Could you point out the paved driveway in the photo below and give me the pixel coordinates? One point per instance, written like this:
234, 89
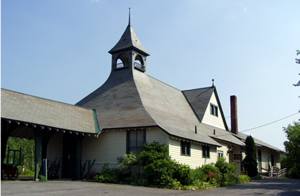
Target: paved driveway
76, 188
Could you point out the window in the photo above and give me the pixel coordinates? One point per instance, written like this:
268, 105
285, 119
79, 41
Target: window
119, 64
185, 148
205, 151
135, 140
213, 110
220, 153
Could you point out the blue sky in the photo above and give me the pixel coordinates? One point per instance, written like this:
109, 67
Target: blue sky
57, 49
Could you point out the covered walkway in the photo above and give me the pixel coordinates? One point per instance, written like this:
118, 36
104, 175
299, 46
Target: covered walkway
57, 129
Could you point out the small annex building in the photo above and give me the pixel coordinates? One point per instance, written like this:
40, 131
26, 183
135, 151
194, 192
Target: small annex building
130, 109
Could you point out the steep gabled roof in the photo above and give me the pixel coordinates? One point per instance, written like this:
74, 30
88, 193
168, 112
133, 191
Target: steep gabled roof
199, 99
168, 107
129, 40
32, 109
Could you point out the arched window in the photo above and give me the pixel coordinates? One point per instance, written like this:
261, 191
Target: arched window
139, 63
119, 64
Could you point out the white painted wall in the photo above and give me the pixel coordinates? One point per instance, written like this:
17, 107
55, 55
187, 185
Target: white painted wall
111, 145
209, 119
223, 148
196, 159
106, 149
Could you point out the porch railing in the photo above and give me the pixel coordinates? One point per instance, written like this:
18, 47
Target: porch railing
276, 172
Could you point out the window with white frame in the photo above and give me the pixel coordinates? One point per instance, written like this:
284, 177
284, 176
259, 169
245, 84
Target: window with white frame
220, 154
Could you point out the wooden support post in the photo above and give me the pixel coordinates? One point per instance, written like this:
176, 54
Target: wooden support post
4, 138
77, 157
44, 169
37, 155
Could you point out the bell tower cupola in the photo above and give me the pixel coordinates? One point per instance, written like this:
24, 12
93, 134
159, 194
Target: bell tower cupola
129, 53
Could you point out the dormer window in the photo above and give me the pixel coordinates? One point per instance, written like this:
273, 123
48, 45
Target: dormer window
139, 63
119, 64
214, 110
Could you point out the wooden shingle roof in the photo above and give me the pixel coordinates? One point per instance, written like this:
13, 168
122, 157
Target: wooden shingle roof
258, 142
26, 108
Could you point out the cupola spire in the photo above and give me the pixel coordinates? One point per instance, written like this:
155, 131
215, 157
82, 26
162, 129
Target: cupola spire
129, 40
128, 51
129, 17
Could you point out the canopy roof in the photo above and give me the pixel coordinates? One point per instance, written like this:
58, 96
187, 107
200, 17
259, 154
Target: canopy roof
26, 108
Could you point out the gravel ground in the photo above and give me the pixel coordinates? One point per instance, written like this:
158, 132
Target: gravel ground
78, 188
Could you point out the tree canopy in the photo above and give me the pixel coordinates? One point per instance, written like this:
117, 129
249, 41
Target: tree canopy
292, 147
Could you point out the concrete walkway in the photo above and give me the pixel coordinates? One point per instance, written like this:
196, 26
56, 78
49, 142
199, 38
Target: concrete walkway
76, 188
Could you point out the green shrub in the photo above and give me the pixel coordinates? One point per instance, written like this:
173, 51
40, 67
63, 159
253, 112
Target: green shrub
203, 185
228, 173
244, 179
108, 175
160, 172
128, 160
153, 166
198, 175
183, 174
211, 174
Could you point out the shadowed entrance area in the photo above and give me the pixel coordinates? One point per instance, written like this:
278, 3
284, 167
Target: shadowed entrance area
66, 188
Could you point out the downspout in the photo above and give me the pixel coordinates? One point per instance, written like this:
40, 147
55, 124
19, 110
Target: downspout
97, 124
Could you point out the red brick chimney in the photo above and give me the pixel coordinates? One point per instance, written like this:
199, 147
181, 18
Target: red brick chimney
233, 114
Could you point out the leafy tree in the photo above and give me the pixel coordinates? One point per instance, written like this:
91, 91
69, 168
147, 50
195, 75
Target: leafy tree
27, 147
292, 146
249, 162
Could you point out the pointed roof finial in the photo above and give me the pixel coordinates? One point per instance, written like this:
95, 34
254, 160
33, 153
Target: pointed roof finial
129, 16
213, 82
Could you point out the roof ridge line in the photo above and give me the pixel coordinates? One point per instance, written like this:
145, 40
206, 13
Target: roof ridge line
163, 82
199, 88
